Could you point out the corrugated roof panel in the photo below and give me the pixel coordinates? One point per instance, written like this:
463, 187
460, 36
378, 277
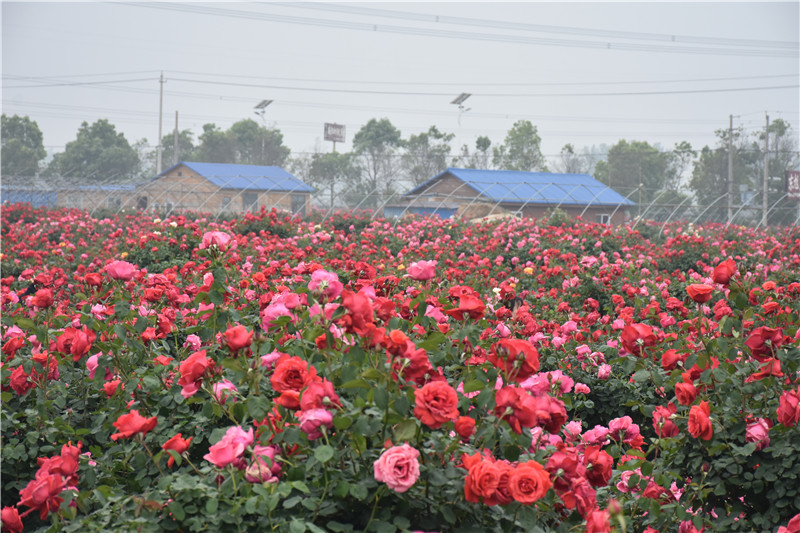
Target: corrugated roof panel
255, 177
535, 187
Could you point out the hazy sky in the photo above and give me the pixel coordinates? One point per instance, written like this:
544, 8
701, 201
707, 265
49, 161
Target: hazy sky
583, 73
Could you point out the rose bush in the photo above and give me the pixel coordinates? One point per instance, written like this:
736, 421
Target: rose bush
270, 373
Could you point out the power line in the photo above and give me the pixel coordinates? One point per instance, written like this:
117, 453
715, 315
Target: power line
538, 28
449, 34
503, 95
75, 83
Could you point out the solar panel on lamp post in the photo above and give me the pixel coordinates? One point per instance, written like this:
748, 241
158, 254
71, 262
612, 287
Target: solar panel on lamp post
459, 101
260, 110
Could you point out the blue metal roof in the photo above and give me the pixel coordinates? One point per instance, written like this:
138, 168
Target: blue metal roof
229, 176
514, 186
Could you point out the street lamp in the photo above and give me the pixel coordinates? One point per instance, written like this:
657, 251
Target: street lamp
459, 101
260, 110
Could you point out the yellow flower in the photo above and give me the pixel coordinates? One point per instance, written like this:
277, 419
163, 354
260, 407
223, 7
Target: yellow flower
124, 255
528, 270
401, 267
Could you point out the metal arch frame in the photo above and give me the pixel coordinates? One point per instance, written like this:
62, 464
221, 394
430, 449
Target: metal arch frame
771, 208
673, 212
591, 202
449, 195
518, 185
479, 195
568, 194
380, 207
528, 201
610, 218
641, 217
708, 207
740, 210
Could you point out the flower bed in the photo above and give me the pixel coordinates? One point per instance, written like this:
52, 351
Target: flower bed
267, 373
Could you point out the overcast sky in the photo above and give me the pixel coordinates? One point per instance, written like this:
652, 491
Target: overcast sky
583, 73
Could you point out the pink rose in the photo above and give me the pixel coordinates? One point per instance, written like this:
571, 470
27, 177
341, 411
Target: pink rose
422, 270
758, 432
121, 270
603, 372
326, 283
220, 239
230, 448
312, 419
398, 467
264, 468
221, 390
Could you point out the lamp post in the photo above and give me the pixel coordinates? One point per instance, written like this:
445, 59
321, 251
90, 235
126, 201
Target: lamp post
459, 101
260, 110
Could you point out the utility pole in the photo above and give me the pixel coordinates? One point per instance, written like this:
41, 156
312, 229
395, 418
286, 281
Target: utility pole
175, 142
730, 170
160, 115
764, 200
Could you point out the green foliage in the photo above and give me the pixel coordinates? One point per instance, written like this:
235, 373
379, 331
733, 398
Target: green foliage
98, 152
23, 146
521, 149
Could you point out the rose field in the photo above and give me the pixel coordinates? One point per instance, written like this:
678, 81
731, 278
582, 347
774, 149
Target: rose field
269, 373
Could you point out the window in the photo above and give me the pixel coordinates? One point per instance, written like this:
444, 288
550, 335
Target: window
249, 201
603, 218
298, 204
113, 202
169, 206
226, 203
141, 203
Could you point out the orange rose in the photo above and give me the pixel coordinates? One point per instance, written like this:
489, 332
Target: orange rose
436, 404
528, 482
699, 421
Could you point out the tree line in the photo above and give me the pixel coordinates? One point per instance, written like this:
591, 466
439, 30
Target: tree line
382, 162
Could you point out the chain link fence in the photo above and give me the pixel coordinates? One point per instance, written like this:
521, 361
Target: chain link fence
163, 198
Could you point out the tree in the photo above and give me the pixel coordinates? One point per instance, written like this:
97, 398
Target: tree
185, 148
521, 149
375, 146
710, 172
245, 142
332, 171
215, 146
98, 152
682, 157
22, 146
635, 167
257, 145
426, 155
478, 159
571, 162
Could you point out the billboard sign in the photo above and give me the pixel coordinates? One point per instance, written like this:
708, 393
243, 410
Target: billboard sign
334, 132
793, 184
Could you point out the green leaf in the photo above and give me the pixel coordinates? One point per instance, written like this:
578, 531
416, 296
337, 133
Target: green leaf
24, 323
177, 511
302, 487
291, 502
296, 526
323, 454
641, 376
405, 431
473, 385
448, 514
257, 406
212, 505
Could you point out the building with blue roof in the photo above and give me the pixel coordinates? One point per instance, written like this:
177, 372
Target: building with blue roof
221, 188
459, 191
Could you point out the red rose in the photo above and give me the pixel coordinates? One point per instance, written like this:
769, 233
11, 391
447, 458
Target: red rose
42, 494
724, 271
482, 481
292, 374
43, 298
468, 306
637, 336
516, 407
528, 482
670, 358
789, 408
177, 443
465, 427
436, 403
598, 466
192, 370
19, 381
662, 424
132, 423
598, 521
763, 341
238, 337
516, 357
319, 395
699, 292
699, 421
685, 393
11, 520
